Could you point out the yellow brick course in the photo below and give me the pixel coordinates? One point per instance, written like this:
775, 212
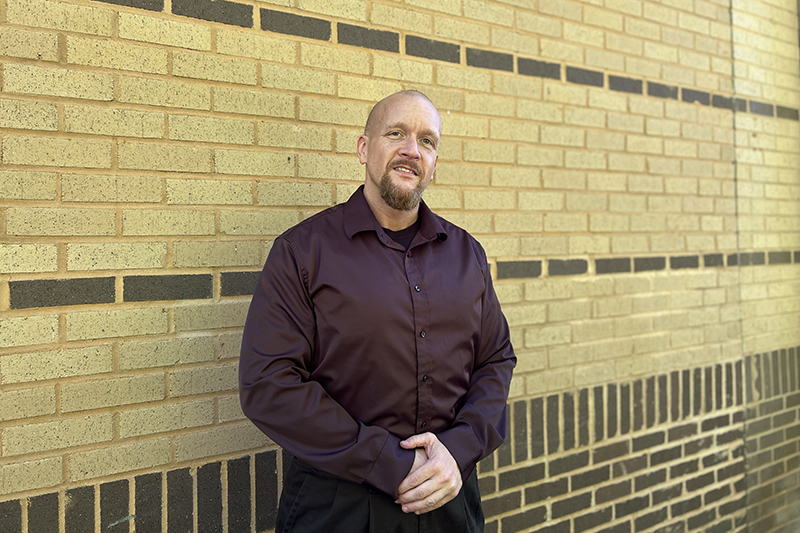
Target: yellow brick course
327, 57
114, 122
56, 152
209, 192
169, 417
112, 392
60, 16
28, 44
27, 403
297, 79
213, 68
65, 222
116, 323
230, 439
92, 188
253, 45
204, 380
297, 194
260, 163
167, 222
119, 459
164, 93
18, 258
68, 83
29, 475
22, 114
55, 364
115, 55
218, 254
24, 185
111, 256
168, 158
56, 435
229, 100
136, 27
257, 222
399, 18
348, 9
166, 352
211, 130
201, 317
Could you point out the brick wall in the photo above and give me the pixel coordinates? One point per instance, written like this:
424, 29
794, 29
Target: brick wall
630, 166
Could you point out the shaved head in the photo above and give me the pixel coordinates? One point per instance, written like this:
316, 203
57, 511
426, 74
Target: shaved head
378, 108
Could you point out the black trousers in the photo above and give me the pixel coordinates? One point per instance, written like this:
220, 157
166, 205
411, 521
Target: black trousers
315, 502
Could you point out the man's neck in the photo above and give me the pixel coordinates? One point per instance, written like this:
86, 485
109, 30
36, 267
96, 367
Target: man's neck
389, 218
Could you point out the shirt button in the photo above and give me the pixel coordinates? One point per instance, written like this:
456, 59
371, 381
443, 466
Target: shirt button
408, 254
424, 378
416, 288
422, 334
423, 425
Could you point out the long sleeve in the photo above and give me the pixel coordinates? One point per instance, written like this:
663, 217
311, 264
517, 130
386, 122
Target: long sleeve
480, 424
277, 359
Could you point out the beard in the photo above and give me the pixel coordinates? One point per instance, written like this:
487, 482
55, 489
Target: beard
399, 198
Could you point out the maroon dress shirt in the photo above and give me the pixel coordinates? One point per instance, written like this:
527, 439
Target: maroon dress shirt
353, 343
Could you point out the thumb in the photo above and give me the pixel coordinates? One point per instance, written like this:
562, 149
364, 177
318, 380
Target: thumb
416, 441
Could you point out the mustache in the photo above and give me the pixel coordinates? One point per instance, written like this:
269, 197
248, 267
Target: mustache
405, 163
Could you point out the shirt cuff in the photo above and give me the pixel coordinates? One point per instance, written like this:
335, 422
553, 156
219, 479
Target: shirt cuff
463, 445
391, 467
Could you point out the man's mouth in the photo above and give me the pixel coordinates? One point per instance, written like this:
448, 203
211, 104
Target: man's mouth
407, 168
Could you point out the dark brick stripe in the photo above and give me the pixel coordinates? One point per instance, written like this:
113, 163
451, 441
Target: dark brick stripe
387, 41
540, 69
646, 264
691, 96
239, 502
626, 85
290, 24
584, 77
178, 287
180, 512
787, 112
689, 261
266, 495
149, 502
79, 514
42, 514
11, 516
209, 497
568, 267
492, 60
238, 283
662, 91
518, 269
612, 265
215, 11
150, 5
430, 49
58, 292
114, 507
761, 108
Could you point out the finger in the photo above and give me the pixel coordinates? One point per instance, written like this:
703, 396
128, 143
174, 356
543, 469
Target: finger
417, 441
416, 478
429, 503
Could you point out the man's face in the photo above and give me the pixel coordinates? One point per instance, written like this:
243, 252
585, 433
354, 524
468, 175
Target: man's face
400, 150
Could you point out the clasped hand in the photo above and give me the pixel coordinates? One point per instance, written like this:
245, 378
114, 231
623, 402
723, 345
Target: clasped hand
434, 478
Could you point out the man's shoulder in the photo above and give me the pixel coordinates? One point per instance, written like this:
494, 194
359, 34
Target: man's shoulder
326, 221
460, 237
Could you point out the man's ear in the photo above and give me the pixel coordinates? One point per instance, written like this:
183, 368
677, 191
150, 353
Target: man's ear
361, 149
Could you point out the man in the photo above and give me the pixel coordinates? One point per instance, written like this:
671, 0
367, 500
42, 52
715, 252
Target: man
375, 351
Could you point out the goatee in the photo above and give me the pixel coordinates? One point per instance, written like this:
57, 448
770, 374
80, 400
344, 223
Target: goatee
400, 198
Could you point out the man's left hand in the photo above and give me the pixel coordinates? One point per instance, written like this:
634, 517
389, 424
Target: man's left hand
435, 482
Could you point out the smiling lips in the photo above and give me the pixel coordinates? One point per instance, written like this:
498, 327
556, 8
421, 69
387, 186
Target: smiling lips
406, 166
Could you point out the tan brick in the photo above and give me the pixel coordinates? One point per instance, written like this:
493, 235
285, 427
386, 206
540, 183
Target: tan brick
644, 144
161, 31
465, 126
547, 336
30, 475
166, 352
294, 194
25, 185
257, 222
28, 44
164, 93
19, 258
333, 111
489, 105
368, 89
113, 122
625, 244
117, 55
516, 177
514, 41
60, 16
215, 68
168, 417
562, 136
117, 323
439, 198
27, 403
488, 152
296, 79
401, 18
462, 78
168, 158
56, 152
112, 392
260, 163
538, 24
253, 45
642, 28
211, 316
119, 459
458, 30
204, 380
500, 246
230, 344
488, 199
230, 409
228, 439
518, 222
91, 188
214, 254
557, 49
630, 46
329, 58
401, 69
540, 157
167, 222
213, 130
327, 167
68, 222
348, 9
585, 117
208, 192
30, 79
454, 174
488, 12
40, 366
29, 330
25, 115
540, 111
57, 435
582, 34
116, 256
541, 201
243, 102
295, 136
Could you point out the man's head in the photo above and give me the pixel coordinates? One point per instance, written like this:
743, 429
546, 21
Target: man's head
400, 149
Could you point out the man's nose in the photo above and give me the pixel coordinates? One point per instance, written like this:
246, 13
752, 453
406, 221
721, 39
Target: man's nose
410, 148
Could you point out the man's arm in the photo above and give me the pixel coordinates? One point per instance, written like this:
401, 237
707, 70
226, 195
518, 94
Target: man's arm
297, 413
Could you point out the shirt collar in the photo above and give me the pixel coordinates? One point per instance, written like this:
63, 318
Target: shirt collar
358, 217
